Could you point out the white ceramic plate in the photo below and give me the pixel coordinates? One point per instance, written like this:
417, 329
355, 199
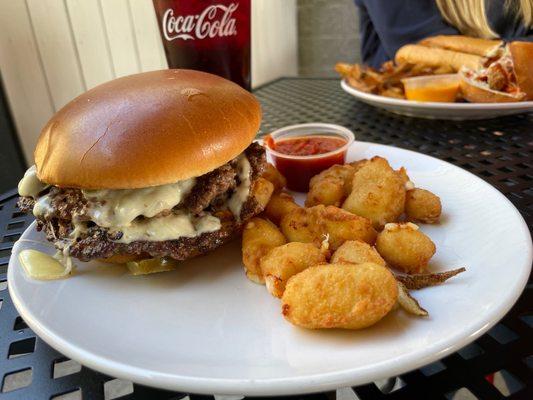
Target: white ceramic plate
206, 328
433, 110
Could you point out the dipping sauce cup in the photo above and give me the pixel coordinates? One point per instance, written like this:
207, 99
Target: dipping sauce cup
301, 151
439, 88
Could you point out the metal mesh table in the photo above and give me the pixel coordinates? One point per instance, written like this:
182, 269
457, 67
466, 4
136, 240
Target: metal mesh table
498, 365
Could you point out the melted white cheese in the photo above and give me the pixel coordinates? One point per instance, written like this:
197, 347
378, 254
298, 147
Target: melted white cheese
30, 185
169, 227
118, 208
80, 227
240, 194
39, 265
42, 207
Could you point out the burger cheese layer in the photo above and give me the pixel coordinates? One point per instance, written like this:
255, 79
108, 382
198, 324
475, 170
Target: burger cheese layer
101, 223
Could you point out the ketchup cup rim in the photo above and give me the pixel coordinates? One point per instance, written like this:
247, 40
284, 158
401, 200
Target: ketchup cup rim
332, 130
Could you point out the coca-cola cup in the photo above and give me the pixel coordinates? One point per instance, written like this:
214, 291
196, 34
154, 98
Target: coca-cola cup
207, 35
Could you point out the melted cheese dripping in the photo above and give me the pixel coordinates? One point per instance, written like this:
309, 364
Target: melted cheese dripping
117, 208
242, 191
42, 207
39, 265
170, 227
30, 185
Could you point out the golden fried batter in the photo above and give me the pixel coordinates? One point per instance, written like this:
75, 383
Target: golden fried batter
405, 247
311, 225
258, 238
272, 175
331, 186
262, 191
282, 262
279, 205
339, 296
356, 252
378, 193
422, 205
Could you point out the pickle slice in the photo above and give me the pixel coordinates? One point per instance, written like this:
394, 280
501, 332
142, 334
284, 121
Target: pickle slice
151, 266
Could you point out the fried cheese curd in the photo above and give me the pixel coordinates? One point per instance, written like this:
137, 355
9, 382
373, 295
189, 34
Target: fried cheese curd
258, 238
314, 224
405, 247
331, 186
378, 192
282, 262
422, 206
356, 252
344, 296
279, 205
272, 175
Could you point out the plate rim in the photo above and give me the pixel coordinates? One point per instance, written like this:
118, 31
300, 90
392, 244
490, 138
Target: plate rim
305, 384
390, 101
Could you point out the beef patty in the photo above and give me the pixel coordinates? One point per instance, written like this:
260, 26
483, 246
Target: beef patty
205, 196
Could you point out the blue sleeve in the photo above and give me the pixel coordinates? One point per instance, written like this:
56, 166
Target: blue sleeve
387, 25
523, 36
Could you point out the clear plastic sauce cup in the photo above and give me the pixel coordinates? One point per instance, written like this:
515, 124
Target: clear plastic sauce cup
439, 88
301, 151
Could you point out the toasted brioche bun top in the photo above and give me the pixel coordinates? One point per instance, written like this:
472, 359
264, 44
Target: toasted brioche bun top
522, 54
147, 129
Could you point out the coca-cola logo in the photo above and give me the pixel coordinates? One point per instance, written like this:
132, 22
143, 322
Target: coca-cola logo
215, 20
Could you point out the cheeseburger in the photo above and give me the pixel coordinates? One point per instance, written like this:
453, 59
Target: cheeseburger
158, 164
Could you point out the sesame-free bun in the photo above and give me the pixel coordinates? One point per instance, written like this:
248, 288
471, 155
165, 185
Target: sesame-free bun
522, 54
147, 129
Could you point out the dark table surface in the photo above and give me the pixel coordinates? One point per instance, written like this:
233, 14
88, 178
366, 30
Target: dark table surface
496, 366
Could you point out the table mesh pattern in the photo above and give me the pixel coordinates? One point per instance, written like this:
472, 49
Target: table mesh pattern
496, 366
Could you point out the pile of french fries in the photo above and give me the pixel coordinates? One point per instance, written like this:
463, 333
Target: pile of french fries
387, 81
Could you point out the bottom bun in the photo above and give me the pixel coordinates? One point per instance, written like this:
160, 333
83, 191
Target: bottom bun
477, 92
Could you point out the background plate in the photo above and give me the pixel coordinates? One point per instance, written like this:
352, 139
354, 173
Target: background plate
206, 328
432, 110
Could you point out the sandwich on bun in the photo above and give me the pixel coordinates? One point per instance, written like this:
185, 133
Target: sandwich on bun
451, 51
507, 79
157, 164
465, 44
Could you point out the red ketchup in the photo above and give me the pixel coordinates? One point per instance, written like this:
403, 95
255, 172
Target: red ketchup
306, 157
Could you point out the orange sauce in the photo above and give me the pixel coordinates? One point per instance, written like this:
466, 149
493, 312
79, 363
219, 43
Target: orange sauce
443, 94
439, 88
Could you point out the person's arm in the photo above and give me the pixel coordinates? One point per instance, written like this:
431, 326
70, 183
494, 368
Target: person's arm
388, 25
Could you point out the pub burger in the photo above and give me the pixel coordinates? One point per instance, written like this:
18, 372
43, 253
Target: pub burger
157, 164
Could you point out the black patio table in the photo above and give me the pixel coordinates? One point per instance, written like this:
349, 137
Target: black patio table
499, 151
